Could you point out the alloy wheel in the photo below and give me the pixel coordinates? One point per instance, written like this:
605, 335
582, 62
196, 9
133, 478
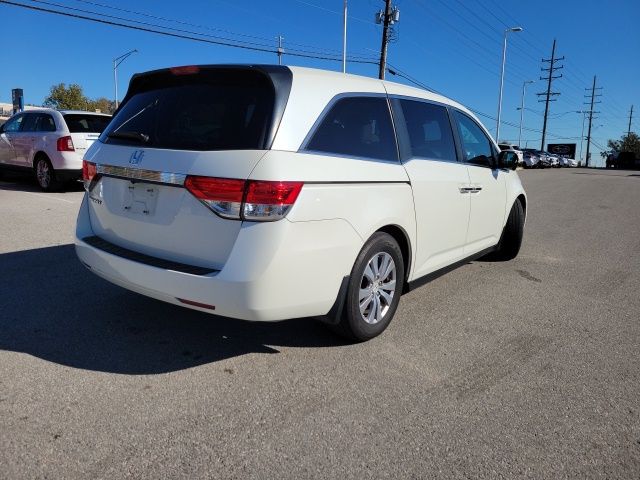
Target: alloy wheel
377, 287
43, 173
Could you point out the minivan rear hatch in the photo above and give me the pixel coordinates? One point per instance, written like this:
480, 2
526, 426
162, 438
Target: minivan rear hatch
210, 121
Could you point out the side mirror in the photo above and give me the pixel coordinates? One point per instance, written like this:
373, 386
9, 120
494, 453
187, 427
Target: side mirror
507, 159
1, 129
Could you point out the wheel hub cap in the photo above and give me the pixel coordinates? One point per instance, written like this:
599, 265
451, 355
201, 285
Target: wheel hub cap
377, 287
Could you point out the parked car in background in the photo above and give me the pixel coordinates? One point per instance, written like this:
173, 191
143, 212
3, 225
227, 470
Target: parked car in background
567, 162
530, 159
627, 160
270, 192
518, 152
545, 160
554, 160
49, 143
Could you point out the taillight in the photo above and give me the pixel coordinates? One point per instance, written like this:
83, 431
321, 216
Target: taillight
65, 144
88, 173
222, 195
250, 200
270, 200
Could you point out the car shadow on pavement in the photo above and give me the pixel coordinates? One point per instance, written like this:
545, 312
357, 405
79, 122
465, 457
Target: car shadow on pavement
55, 309
27, 183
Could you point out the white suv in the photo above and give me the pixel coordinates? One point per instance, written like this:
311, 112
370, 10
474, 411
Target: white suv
269, 192
49, 143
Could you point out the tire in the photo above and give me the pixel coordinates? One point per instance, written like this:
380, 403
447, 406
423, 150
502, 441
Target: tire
380, 250
45, 174
511, 238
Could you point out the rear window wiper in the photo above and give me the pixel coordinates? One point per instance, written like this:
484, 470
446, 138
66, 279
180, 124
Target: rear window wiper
138, 136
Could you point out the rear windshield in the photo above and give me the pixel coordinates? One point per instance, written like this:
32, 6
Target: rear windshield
223, 110
86, 123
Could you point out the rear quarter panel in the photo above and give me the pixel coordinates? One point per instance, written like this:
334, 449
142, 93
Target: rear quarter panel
367, 194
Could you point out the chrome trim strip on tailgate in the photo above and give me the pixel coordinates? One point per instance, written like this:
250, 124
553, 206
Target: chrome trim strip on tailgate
140, 174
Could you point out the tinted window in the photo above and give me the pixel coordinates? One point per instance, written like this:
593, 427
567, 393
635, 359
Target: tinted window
29, 122
14, 123
429, 130
476, 145
45, 123
358, 126
86, 123
220, 111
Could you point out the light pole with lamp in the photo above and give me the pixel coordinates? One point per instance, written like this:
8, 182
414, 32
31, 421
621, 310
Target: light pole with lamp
524, 84
504, 57
117, 61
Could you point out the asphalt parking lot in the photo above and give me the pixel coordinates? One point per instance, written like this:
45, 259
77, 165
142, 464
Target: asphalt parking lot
524, 369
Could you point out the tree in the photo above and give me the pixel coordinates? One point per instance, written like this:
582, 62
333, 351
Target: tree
627, 143
103, 104
72, 97
63, 98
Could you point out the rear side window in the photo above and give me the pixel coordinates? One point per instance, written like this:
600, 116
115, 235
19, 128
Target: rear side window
86, 123
429, 129
357, 126
202, 112
45, 123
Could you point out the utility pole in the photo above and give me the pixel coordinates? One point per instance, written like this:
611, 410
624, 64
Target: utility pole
630, 117
344, 38
280, 49
552, 68
387, 18
594, 95
584, 117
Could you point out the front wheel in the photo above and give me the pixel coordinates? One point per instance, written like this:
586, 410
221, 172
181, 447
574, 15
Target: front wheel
511, 238
374, 290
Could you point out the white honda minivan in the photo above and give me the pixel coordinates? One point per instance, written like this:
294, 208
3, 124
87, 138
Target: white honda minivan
272, 192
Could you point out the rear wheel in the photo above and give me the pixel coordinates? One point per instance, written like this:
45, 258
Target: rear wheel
374, 290
511, 238
45, 175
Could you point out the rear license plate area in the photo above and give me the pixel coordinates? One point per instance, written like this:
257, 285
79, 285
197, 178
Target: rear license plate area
140, 199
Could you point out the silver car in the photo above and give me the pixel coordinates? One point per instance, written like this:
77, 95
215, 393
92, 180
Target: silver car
49, 143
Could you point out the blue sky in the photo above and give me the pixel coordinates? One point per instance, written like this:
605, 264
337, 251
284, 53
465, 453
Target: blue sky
454, 46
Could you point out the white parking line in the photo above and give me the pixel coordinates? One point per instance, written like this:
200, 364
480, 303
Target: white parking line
47, 197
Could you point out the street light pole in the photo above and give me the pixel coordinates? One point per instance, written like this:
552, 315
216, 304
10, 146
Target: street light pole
344, 38
504, 57
116, 62
524, 84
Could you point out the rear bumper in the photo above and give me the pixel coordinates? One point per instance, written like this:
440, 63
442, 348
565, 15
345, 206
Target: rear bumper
276, 270
66, 161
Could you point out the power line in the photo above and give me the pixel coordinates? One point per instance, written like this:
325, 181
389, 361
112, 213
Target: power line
204, 27
317, 50
223, 42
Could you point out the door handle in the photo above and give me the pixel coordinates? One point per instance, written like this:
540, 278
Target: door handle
464, 190
476, 189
